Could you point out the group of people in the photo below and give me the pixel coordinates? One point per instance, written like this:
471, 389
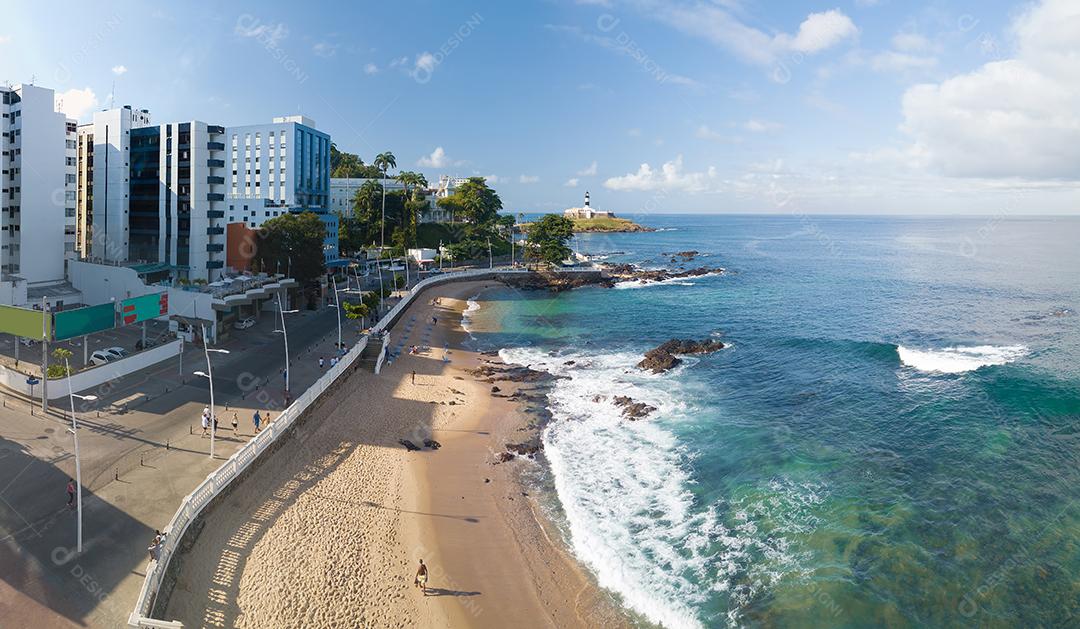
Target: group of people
256, 419
333, 361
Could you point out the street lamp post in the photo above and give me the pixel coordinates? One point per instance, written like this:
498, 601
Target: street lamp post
285, 333
209, 375
491, 263
78, 461
337, 305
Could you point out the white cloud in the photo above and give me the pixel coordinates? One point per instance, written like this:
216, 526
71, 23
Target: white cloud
424, 65
634, 133
400, 61
1017, 118
589, 171
492, 179
119, 70
892, 61
528, 179
909, 41
669, 177
269, 34
571, 183
371, 68
4, 39
705, 133
325, 49
437, 159
820, 31
76, 103
761, 126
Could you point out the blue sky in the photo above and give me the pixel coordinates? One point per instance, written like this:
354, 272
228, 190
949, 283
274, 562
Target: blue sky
843, 106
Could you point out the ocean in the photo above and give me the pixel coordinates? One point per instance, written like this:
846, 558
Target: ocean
889, 439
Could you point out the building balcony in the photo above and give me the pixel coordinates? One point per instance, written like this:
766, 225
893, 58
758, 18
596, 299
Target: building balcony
215, 163
215, 146
215, 231
215, 248
215, 129
215, 264
215, 214
215, 196
215, 180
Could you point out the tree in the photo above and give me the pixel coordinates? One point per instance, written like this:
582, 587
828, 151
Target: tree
59, 369
479, 203
292, 241
350, 236
384, 162
547, 238
349, 165
356, 311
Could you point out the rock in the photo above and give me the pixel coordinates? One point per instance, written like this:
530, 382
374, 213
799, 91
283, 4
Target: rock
665, 356
503, 457
570, 362
630, 272
495, 389
431, 443
599, 398
633, 410
528, 449
410, 446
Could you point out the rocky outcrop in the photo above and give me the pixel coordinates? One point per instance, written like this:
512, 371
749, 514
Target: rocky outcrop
495, 372
666, 355
630, 272
633, 410
555, 281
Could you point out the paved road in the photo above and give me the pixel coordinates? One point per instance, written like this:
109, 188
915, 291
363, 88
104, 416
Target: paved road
139, 458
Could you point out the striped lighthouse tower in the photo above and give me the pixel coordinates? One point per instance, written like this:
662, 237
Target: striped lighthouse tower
586, 199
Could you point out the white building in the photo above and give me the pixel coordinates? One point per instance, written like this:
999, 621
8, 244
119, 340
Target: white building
587, 211
280, 168
103, 164
343, 190
152, 194
33, 190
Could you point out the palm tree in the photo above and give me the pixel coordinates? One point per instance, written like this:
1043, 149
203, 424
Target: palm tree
384, 161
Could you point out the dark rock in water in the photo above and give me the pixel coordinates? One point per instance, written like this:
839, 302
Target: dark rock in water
529, 448
633, 410
555, 281
431, 443
570, 362
410, 446
599, 398
492, 372
495, 389
665, 356
503, 457
630, 272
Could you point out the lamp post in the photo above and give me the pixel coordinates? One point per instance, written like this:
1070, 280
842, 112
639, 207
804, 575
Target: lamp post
337, 305
78, 461
285, 333
491, 263
209, 375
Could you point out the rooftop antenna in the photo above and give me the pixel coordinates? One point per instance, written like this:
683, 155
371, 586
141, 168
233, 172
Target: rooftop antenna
112, 94
33, 77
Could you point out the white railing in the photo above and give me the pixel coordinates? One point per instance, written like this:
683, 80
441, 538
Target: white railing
219, 479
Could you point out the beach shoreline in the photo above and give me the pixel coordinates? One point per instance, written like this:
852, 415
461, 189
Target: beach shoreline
329, 530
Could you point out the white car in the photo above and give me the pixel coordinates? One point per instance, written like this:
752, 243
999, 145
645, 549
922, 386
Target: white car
116, 352
245, 323
101, 357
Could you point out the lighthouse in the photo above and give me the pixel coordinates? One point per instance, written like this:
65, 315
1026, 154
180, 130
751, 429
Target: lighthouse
586, 199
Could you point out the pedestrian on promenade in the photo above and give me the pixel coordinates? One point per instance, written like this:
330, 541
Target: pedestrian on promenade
333, 361
71, 493
320, 362
257, 419
421, 577
235, 422
205, 420
155, 545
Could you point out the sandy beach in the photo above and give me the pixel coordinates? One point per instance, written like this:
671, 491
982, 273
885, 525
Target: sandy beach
329, 530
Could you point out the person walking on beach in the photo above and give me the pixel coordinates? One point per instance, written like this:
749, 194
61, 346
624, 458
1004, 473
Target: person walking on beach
235, 422
71, 493
257, 419
421, 577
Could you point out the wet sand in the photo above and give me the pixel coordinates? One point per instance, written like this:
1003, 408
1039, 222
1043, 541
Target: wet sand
328, 531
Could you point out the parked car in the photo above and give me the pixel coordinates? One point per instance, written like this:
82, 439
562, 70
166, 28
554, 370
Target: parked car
245, 323
27, 342
116, 352
101, 357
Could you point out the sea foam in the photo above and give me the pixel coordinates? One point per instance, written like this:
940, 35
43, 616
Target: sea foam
959, 359
625, 489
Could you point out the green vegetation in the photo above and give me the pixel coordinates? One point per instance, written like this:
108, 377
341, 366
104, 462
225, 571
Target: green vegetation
606, 225
349, 165
546, 239
59, 369
292, 241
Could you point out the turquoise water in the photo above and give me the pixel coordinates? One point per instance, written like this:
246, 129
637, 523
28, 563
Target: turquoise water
891, 438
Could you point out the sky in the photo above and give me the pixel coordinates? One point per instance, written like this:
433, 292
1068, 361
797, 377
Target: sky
838, 106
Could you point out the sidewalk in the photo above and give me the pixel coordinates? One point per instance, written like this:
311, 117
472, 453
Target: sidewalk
141, 454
